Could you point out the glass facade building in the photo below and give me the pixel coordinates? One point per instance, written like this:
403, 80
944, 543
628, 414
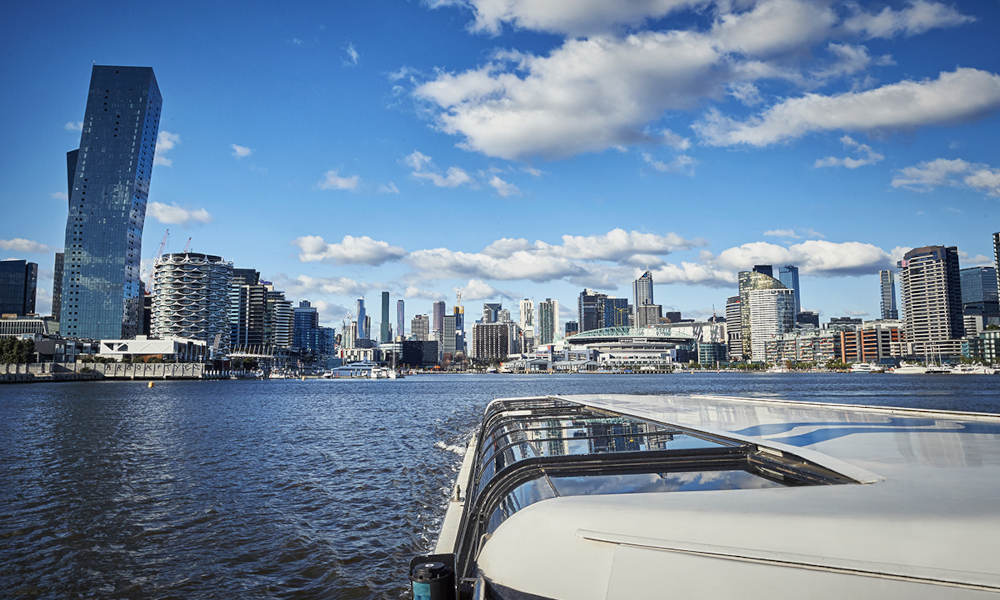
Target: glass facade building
110, 174
642, 289
385, 326
887, 288
750, 281
18, 286
788, 275
614, 312
979, 292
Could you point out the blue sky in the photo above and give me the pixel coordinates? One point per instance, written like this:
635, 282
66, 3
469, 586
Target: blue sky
516, 148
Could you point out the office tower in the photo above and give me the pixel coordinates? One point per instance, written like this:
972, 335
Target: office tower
437, 318
192, 298
491, 312
788, 275
448, 335
107, 204
642, 289
572, 327
18, 286
979, 293
306, 332
385, 327
362, 319
764, 270
887, 286
589, 310
459, 312
932, 301
734, 331
420, 328
749, 281
614, 312
647, 314
246, 319
548, 321
400, 319
57, 277
772, 313
526, 314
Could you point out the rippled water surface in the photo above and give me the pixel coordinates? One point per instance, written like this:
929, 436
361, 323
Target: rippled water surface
287, 489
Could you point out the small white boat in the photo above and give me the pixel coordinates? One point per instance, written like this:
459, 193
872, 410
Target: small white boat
907, 369
973, 370
867, 368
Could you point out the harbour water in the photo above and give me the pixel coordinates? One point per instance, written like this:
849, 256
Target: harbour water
289, 489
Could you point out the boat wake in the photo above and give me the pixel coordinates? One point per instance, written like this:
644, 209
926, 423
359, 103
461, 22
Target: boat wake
460, 450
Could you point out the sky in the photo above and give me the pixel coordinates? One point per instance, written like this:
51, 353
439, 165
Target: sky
528, 148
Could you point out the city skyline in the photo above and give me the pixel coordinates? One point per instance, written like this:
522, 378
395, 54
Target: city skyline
386, 134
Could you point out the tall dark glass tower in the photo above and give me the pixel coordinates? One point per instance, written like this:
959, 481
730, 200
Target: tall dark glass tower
110, 173
788, 275
386, 326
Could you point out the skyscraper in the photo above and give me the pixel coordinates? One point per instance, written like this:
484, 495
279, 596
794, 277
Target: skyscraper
614, 312
306, 333
526, 314
932, 301
734, 331
57, 276
996, 258
362, 320
420, 329
589, 310
648, 314
764, 270
979, 293
110, 172
448, 335
400, 319
385, 327
749, 281
279, 320
772, 312
491, 312
548, 321
887, 283
18, 286
247, 304
788, 275
191, 298
437, 318
642, 290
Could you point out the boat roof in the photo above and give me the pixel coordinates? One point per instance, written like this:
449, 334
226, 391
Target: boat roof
920, 517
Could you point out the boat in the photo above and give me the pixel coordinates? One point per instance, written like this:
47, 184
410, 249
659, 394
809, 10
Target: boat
909, 369
973, 370
613, 496
867, 368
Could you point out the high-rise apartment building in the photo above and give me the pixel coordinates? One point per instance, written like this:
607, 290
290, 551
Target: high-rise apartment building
996, 258
648, 314
526, 313
788, 275
247, 304
748, 282
385, 327
57, 277
491, 312
279, 319
589, 310
548, 321
734, 331
979, 293
932, 301
420, 328
492, 342
191, 298
110, 172
18, 287
305, 324
448, 336
887, 287
772, 313
400, 319
642, 289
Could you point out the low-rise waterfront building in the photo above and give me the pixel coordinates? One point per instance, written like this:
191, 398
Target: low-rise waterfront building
141, 348
983, 347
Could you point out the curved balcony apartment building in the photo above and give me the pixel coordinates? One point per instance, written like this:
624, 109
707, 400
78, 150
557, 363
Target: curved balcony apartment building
191, 298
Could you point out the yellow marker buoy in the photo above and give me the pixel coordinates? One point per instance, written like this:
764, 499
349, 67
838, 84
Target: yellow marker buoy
150, 384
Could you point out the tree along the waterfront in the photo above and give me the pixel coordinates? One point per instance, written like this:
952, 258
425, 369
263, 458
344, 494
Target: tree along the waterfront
13, 350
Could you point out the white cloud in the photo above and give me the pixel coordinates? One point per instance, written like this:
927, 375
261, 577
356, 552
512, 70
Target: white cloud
305, 285
954, 96
73, 126
682, 163
774, 26
848, 59
333, 181
920, 16
422, 168
165, 141
867, 156
675, 141
504, 188
416, 292
361, 250
296, 41
241, 151
442, 263
352, 55
388, 188
746, 92
956, 172
477, 289
558, 16
176, 215
816, 257
787, 233
23, 245
694, 273
59, 196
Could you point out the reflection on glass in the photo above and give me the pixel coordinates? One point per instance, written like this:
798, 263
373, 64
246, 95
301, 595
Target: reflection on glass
636, 483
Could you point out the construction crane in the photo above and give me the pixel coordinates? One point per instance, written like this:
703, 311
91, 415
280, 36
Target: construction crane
163, 242
458, 297
187, 246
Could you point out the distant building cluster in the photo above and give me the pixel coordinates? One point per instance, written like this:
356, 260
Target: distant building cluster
202, 307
